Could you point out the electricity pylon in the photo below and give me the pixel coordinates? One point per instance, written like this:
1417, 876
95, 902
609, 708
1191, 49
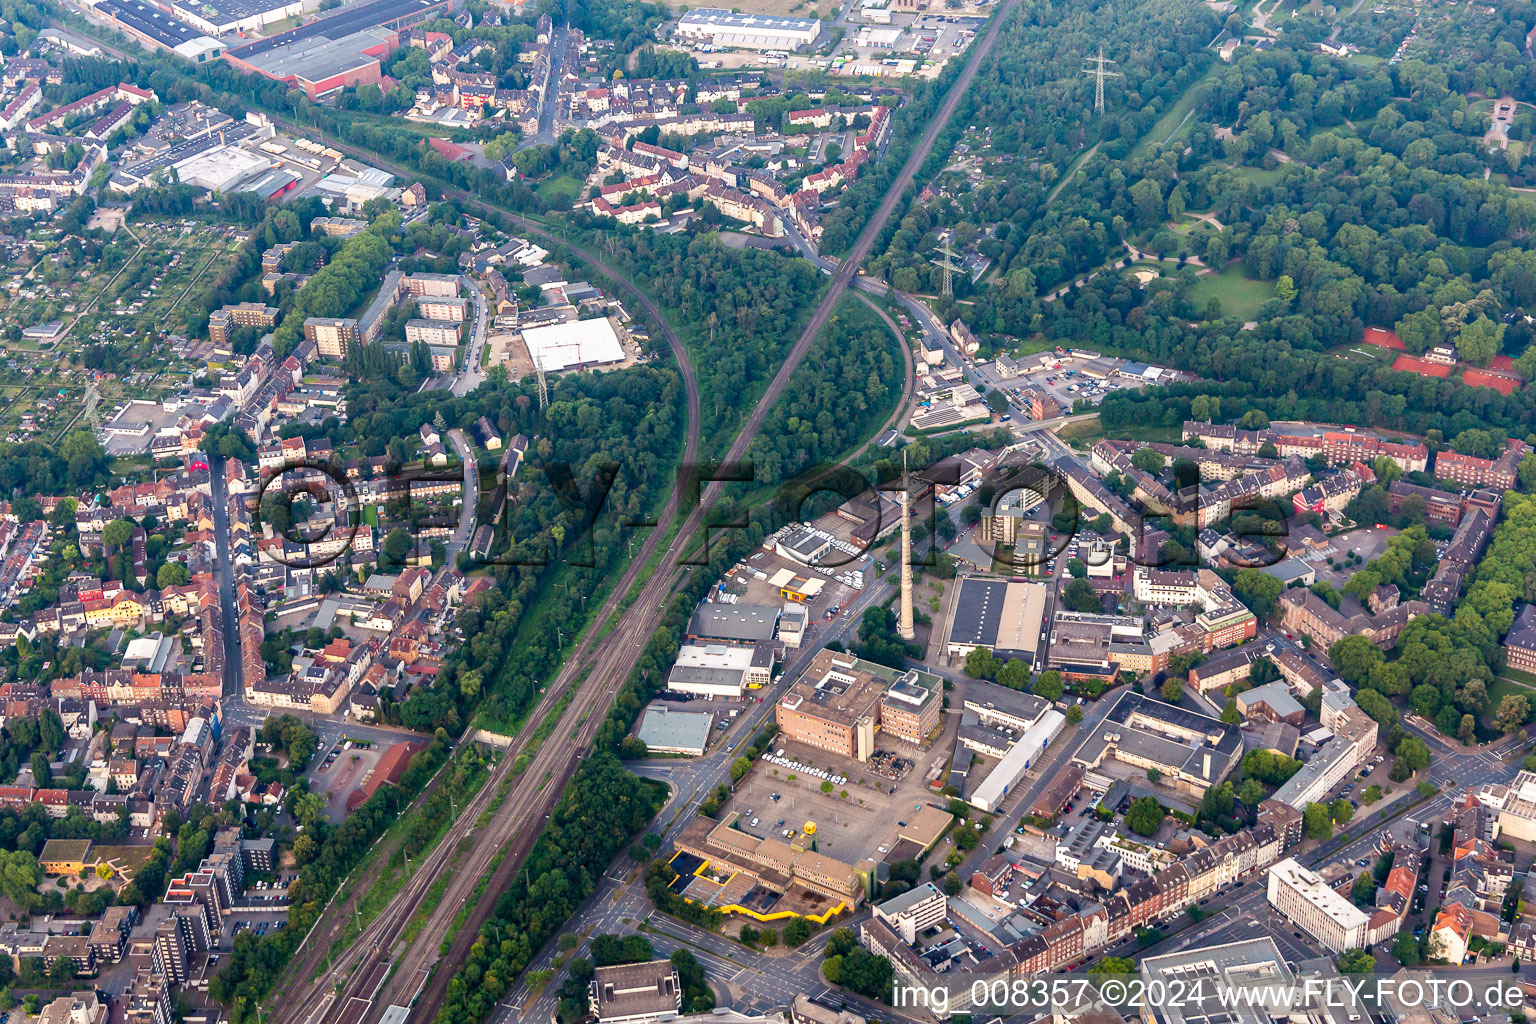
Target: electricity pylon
1098, 72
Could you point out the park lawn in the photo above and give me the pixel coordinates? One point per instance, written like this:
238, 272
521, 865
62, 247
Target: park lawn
560, 188
1240, 295
129, 858
1502, 688
1172, 120
1261, 176
1520, 677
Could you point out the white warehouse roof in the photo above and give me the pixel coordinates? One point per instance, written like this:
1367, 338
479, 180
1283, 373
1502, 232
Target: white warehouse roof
221, 168
577, 344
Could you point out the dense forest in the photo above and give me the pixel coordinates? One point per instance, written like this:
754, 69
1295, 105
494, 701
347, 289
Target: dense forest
737, 310
840, 395
1037, 110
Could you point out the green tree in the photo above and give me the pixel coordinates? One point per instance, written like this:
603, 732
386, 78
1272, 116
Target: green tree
19, 877
1406, 948
171, 574
1048, 685
117, 533
1014, 674
1173, 689
1356, 961
981, 663
1258, 590
1144, 816
1079, 596
1514, 710
1114, 965
1149, 460
1480, 341
397, 545
1317, 821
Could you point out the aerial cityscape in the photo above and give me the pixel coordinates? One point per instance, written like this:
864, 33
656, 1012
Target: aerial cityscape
810, 512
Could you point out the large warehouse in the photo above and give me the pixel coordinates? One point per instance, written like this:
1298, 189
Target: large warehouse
721, 670
342, 48
576, 345
1003, 615
154, 27
221, 17
221, 168
720, 27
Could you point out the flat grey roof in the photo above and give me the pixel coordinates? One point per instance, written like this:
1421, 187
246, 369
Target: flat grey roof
747, 623
685, 730
317, 59
978, 611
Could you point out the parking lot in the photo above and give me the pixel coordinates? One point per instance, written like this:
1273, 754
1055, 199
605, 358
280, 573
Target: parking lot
1367, 542
257, 924
862, 824
338, 773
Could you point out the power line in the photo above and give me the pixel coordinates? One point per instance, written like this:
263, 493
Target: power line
1098, 72
950, 267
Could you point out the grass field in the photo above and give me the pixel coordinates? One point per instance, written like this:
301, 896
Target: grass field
1502, 688
1090, 432
129, 858
1172, 119
1261, 176
1029, 346
1239, 295
1371, 355
562, 189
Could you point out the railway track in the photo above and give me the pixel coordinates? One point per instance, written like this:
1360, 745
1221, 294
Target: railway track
596, 668
314, 1001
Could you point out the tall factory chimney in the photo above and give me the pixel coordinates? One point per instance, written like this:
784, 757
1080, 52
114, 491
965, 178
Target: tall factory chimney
904, 628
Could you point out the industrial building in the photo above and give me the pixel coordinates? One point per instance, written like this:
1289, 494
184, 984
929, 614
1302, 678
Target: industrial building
720, 27
343, 48
636, 993
911, 707
155, 28
576, 345
1191, 751
221, 168
989, 795
1003, 615
721, 670
666, 731
834, 706
733, 623
222, 17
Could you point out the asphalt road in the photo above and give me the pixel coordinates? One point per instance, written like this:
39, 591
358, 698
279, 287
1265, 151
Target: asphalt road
472, 373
